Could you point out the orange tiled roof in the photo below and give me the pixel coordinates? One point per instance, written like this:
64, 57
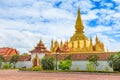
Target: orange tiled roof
21, 58
8, 51
102, 56
83, 56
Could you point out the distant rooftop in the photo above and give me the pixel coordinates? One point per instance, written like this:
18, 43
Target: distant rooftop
8, 51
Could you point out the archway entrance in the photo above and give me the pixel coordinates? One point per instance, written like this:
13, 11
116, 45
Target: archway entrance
36, 61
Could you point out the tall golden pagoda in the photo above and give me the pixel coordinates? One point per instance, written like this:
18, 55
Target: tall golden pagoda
79, 33
78, 42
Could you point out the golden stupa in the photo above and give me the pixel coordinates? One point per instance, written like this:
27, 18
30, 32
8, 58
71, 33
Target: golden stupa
78, 42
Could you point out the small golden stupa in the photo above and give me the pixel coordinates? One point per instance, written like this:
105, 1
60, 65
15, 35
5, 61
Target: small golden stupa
78, 42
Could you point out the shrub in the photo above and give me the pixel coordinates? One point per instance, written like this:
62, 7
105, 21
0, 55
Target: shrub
65, 64
48, 63
90, 66
106, 68
6, 66
77, 68
37, 68
25, 69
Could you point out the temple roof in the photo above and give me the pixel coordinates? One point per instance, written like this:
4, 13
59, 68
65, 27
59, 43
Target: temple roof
40, 48
75, 56
21, 58
8, 51
82, 56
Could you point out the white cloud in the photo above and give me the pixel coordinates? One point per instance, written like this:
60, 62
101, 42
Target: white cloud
117, 1
98, 29
90, 15
22, 23
96, 0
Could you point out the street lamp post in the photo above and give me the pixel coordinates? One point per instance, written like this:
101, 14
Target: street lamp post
56, 54
56, 60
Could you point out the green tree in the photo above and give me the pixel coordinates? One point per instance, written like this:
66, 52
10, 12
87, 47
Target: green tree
14, 60
69, 57
47, 63
66, 63
114, 61
1, 60
93, 59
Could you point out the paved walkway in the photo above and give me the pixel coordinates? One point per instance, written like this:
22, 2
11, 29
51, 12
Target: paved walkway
19, 75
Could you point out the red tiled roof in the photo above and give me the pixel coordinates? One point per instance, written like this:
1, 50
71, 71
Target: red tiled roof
83, 56
8, 51
77, 56
21, 58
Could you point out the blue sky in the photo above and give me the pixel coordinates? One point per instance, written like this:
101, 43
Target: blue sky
24, 22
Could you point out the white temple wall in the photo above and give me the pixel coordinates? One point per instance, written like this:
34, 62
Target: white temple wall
26, 64
81, 65
21, 64
76, 65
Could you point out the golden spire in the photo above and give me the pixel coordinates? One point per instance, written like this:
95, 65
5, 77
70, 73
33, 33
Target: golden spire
79, 25
91, 41
97, 39
61, 44
51, 48
56, 45
91, 45
79, 33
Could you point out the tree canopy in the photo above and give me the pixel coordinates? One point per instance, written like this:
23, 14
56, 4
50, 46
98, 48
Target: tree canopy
14, 60
114, 61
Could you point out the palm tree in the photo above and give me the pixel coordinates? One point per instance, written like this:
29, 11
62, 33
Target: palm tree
14, 60
114, 61
1, 60
93, 59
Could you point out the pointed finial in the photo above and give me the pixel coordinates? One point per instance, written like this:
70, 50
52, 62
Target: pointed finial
61, 44
96, 38
79, 25
51, 48
78, 10
40, 40
90, 38
52, 41
90, 41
